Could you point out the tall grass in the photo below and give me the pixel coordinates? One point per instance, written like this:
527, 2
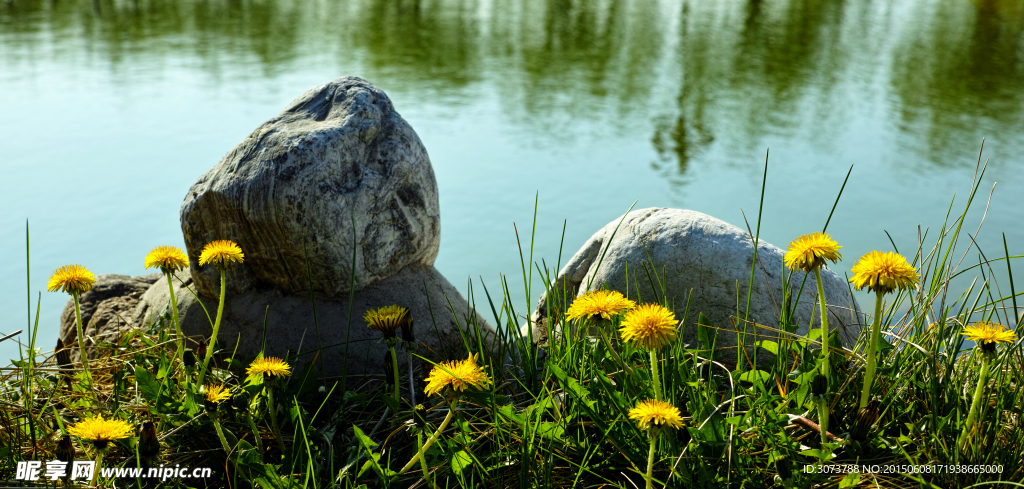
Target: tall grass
556, 414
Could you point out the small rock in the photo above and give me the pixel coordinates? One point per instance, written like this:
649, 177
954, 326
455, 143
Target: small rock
106, 310
158, 295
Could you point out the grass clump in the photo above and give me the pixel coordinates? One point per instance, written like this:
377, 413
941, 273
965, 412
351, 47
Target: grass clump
612, 396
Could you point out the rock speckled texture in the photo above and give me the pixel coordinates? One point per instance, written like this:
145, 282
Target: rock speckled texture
339, 154
694, 251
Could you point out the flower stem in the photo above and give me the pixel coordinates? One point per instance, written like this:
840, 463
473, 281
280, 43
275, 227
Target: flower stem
823, 417
394, 371
255, 433
423, 461
273, 420
216, 326
655, 376
421, 453
99, 465
412, 383
615, 354
174, 316
825, 363
650, 459
825, 367
220, 435
972, 417
81, 343
869, 375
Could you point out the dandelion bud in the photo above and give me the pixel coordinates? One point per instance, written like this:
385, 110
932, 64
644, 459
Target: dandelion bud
65, 449
408, 335
66, 453
201, 348
149, 445
63, 356
870, 413
819, 386
240, 401
866, 417
419, 416
784, 467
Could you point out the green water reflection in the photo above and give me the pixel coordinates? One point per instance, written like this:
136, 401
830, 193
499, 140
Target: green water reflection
671, 101
737, 70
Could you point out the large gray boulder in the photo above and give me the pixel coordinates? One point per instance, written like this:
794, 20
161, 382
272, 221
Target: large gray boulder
106, 310
695, 252
334, 194
437, 308
339, 162
338, 166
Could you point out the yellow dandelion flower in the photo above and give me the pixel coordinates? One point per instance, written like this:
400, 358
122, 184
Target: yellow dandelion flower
217, 393
651, 326
810, 251
387, 319
269, 366
988, 334
167, 258
883, 272
101, 431
655, 413
220, 253
604, 303
458, 374
73, 279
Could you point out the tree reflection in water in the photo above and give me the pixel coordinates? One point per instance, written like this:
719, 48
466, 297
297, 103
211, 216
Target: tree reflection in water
690, 74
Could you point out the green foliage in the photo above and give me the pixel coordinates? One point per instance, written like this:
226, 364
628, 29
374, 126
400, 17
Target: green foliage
556, 414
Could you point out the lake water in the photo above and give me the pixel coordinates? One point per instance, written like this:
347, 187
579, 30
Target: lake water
110, 110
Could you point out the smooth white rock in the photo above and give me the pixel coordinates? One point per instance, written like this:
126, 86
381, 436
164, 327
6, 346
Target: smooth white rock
695, 252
